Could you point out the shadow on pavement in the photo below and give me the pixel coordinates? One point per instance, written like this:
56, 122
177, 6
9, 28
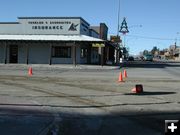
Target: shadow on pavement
26, 121
150, 93
142, 64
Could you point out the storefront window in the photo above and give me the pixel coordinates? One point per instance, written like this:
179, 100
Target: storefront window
83, 52
61, 52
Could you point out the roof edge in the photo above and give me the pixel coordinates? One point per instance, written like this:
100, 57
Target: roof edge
9, 23
55, 17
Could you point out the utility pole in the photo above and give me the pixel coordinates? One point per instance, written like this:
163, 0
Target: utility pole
124, 30
116, 51
118, 18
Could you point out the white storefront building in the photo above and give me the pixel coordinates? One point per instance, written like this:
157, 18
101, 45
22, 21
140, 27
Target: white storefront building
49, 40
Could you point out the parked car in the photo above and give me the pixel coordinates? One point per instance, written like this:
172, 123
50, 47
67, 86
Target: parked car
148, 57
130, 58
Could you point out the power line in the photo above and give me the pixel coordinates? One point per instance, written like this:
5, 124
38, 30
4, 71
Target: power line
151, 38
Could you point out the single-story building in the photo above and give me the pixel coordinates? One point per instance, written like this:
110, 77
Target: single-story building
50, 40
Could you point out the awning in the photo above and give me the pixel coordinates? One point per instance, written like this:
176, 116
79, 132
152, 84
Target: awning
50, 38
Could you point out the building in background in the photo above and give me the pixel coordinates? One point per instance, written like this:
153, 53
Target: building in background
110, 47
52, 40
174, 52
177, 53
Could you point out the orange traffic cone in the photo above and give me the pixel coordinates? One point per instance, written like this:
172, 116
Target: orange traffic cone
120, 77
30, 71
125, 74
138, 88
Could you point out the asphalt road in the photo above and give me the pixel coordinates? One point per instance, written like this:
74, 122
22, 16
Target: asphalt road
66, 100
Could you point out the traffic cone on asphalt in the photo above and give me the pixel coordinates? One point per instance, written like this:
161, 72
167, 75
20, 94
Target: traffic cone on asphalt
120, 77
138, 88
125, 74
30, 71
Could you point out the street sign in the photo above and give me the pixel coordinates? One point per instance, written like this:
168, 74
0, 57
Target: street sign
115, 39
98, 45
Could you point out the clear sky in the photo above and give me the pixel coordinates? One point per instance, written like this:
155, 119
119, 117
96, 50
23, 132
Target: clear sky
160, 19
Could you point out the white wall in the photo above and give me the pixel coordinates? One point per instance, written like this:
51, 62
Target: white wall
2, 53
22, 53
10, 28
42, 26
27, 26
39, 53
62, 61
78, 59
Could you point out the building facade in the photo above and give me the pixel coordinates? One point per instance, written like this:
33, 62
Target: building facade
50, 40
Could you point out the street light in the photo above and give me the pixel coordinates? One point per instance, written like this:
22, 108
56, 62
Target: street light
132, 26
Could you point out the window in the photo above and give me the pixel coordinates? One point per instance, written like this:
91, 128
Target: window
83, 52
61, 52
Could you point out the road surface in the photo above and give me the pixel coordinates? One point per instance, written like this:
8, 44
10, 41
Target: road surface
66, 100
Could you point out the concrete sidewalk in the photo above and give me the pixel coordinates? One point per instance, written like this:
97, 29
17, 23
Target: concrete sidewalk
56, 66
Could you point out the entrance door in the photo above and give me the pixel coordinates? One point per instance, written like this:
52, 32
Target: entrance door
94, 55
13, 54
